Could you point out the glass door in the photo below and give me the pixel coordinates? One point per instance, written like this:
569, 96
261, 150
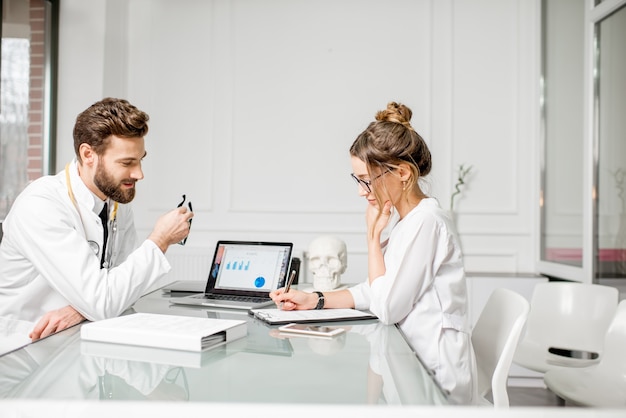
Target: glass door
610, 136
562, 116
583, 176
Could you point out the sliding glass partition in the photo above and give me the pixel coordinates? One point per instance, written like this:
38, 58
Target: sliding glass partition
562, 233
611, 139
583, 108
562, 65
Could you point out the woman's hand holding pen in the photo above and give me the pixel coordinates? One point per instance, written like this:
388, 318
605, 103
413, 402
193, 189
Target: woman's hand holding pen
294, 299
292, 276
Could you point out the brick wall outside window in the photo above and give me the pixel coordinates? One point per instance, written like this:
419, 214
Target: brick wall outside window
36, 93
22, 115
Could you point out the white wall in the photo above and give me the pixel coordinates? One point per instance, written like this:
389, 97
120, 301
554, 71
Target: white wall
254, 105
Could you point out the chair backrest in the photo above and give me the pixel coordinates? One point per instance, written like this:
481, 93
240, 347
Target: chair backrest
615, 343
571, 315
494, 338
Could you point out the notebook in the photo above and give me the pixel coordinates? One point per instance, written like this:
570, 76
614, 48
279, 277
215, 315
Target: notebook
242, 275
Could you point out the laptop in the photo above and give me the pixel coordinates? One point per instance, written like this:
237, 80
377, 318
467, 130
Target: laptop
242, 275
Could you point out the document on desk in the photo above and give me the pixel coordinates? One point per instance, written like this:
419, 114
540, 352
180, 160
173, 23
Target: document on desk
276, 316
165, 331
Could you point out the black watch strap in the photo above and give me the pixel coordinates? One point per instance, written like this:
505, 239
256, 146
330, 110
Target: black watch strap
320, 301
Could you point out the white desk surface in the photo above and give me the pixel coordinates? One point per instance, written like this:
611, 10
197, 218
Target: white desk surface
62, 378
119, 409
371, 363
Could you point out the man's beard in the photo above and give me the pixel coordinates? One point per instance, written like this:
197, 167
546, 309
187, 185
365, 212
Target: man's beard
111, 188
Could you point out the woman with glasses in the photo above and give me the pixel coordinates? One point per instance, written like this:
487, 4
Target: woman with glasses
415, 276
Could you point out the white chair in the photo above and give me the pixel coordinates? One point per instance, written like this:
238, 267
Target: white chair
600, 385
495, 337
566, 325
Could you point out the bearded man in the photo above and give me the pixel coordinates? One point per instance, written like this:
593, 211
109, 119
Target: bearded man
69, 250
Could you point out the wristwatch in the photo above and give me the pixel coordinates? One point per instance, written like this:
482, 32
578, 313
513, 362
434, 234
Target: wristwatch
320, 301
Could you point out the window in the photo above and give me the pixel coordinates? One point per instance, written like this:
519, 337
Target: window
27, 75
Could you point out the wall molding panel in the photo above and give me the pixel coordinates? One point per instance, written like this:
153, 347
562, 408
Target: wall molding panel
253, 110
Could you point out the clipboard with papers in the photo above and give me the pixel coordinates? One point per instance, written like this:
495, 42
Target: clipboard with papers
275, 316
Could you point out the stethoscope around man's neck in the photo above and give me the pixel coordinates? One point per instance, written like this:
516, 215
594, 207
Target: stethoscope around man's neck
113, 220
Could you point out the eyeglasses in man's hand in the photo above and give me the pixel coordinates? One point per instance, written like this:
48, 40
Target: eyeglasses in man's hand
184, 241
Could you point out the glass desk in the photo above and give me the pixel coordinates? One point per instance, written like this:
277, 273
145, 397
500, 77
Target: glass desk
369, 364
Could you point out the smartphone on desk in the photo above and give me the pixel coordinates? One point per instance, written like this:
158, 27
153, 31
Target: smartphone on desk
315, 330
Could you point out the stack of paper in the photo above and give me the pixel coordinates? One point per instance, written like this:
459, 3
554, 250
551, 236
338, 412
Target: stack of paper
275, 316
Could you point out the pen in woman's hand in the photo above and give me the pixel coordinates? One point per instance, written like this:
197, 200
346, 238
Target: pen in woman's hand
289, 282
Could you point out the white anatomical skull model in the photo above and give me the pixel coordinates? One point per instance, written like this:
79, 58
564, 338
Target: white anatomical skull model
328, 259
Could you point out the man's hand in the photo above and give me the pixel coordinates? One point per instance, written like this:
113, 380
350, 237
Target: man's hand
171, 228
55, 321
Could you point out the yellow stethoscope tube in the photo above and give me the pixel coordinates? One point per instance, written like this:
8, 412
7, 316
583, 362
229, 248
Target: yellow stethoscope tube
70, 192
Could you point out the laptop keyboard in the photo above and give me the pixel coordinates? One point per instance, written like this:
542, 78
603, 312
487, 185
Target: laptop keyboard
251, 299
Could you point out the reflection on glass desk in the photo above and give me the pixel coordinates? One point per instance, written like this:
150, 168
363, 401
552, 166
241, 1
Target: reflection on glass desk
369, 364
14, 334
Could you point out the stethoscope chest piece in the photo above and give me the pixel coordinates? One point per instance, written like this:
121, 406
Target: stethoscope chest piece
95, 247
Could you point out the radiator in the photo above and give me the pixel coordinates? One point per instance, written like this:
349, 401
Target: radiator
189, 263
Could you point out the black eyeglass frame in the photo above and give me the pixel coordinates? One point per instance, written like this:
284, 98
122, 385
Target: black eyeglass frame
184, 241
367, 184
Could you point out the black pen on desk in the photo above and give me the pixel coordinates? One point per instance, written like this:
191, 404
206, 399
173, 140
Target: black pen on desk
289, 282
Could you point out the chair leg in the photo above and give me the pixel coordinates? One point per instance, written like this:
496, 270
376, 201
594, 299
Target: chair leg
559, 401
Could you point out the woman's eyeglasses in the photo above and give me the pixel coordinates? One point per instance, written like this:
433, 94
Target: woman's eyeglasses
367, 184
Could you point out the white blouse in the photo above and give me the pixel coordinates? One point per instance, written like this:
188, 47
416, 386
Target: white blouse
423, 290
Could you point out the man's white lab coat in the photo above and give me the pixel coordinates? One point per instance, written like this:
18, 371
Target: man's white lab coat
50, 254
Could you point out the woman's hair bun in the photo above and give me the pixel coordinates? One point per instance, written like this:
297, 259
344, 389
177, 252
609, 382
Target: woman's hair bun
397, 113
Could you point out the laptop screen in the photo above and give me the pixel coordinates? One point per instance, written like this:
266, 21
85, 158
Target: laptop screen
249, 267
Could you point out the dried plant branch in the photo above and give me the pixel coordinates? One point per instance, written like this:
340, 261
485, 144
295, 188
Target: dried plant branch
619, 176
463, 172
